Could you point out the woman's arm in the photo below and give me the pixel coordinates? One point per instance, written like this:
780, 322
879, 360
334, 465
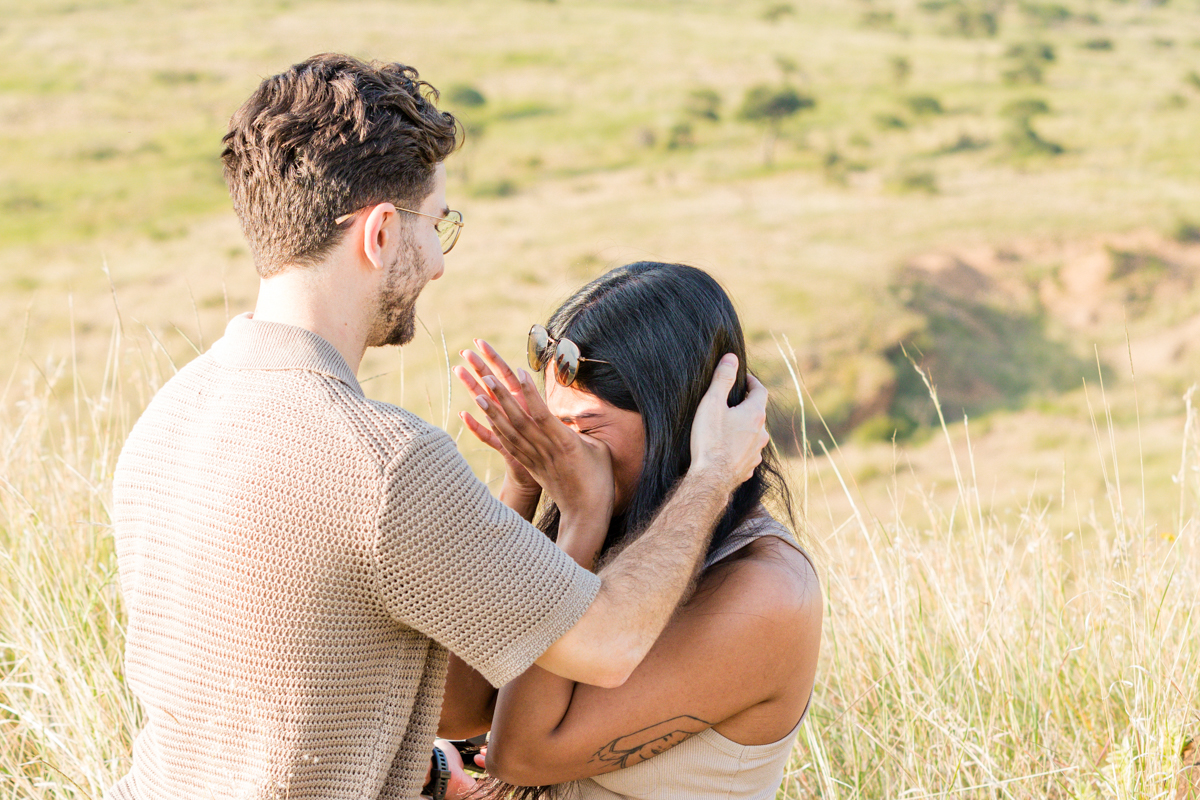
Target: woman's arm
742, 652
468, 702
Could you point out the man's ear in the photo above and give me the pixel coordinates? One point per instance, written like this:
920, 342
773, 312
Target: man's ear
376, 233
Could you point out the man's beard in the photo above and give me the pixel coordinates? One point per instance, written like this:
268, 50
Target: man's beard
396, 317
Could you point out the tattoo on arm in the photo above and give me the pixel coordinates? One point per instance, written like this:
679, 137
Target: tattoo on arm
636, 747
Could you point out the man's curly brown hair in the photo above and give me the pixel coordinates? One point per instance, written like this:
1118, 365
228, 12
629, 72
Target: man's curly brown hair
329, 136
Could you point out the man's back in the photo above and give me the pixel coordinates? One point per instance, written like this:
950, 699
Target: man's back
289, 551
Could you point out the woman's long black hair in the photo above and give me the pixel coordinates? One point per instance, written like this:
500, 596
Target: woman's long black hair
662, 329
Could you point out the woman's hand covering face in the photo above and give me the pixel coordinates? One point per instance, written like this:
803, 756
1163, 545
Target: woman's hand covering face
515, 474
574, 469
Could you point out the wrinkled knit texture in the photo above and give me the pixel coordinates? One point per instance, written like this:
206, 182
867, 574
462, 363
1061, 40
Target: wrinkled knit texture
295, 560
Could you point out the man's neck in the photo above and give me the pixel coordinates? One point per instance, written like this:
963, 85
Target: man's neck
314, 298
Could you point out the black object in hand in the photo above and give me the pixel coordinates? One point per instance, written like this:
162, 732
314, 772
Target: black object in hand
468, 749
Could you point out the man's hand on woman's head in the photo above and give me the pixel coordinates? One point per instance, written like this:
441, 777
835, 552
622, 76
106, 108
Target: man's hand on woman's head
729, 440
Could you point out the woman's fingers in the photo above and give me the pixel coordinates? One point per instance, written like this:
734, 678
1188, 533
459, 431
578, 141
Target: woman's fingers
476, 363
572, 468
499, 366
523, 438
518, 418
512, 426
477, 390
535, 405
482, 432
468, 380
492, 364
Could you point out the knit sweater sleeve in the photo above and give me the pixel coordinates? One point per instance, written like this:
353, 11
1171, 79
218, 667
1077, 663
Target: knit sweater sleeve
465, 570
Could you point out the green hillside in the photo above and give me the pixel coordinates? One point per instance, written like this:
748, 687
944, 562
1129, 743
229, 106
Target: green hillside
991, 202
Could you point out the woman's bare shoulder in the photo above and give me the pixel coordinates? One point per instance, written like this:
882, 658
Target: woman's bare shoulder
770, 602
769, 575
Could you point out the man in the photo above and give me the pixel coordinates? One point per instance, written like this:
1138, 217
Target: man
296, 559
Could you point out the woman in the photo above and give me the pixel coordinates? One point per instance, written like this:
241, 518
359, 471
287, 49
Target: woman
713, 709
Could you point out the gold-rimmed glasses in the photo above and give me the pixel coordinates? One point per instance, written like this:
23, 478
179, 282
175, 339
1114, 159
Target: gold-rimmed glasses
565, 352
448, 227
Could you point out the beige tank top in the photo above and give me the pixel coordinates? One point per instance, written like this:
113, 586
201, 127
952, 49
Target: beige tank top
707, 765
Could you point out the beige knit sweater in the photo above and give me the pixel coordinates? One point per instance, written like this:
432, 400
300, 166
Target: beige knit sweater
295, 559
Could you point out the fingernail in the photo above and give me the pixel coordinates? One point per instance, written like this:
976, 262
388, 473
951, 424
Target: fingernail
462, 353
491, 382
482, 401
523, 376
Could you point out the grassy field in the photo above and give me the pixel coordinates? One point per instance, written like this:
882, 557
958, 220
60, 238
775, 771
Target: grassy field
1003, 194
976, 653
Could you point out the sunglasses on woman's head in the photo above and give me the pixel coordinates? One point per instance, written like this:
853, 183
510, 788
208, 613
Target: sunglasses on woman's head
542, 347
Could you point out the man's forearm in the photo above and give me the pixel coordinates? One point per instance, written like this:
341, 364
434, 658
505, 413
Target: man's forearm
642, 586
647, 580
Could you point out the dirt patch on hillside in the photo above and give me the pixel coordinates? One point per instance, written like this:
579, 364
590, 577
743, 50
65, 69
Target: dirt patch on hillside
993, 327
1090, 291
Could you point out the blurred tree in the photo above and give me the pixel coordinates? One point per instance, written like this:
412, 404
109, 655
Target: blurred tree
890, 122
1025, 72
837, 167
1046, 14
976, 23
777, 11
1022, 139
465, 99
901, 69
918, 182
1028, 62
1024, 109
973, 19
703, 103
772, 105
465, 95
787, 66
924, 105
681, 137
1031, 51
1187, 232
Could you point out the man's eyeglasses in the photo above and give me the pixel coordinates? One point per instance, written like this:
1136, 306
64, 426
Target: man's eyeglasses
448, 227
564, 351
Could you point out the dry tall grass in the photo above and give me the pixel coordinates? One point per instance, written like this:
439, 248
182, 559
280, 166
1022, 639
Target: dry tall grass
66, 718
978, 656
970, 657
